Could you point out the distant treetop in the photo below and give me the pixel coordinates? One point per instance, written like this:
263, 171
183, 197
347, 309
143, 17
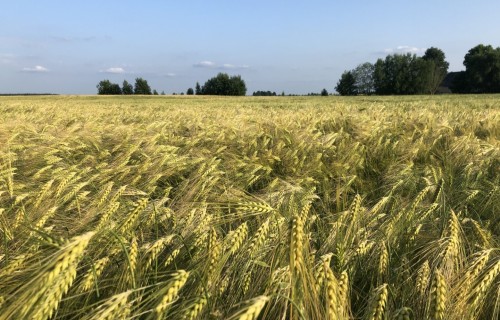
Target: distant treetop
224, 85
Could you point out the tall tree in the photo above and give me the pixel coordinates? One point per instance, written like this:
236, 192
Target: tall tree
401, 74
438, 68
482, 69
324, 93
127, 88
237, 85
197, 88
380, 78
363, 74
141, 86
346, 86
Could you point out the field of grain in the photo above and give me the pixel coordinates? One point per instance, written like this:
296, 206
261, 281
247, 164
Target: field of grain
249, 208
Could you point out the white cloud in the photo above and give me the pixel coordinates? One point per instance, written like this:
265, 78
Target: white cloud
404, 49
225, 66
171, 74
228, 66
205, 64
35, 69
114, 70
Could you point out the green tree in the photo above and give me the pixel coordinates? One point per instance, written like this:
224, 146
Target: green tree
237, 86
438, 68
264, 93
380, 81
190, 92
363, 74
324, 93
155, 92
423, 77
127, 88
482, 70
107, 87
197, 89
141, 86
401, 74
224, 85
346, 86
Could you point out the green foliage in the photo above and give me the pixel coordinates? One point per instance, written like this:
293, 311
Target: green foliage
438, 68
398, 74
142, 87
363, 74
106, 87
402, 74
482, 71
263, 93
347, 84
324, 93
127, 88
197, 89
224, 85
190, 92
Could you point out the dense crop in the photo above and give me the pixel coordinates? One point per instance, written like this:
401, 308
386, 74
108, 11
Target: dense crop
246, 208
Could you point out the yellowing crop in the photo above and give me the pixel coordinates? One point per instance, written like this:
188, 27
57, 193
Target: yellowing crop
250, 208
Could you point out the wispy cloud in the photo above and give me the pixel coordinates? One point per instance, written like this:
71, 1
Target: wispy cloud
224, 66
36, 69
205, 64
64, 39
228, 66
114, 70
404, 49
171, 75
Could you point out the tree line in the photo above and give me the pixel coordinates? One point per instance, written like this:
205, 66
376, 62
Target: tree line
404, 74
222, 84
396, 74
141, 86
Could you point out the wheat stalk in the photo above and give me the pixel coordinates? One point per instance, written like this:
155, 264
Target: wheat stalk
195, 309
90, 278
43, 294
439, 295
296, 243
253, 310
178, 281
379, 302
116, 307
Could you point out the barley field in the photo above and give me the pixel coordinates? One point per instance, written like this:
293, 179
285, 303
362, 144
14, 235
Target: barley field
250, 208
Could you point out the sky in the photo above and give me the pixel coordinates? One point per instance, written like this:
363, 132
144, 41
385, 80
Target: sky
67, 47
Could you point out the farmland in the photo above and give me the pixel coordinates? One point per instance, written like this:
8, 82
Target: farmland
250, 208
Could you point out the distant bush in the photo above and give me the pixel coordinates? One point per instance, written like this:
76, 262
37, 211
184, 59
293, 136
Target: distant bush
107, 87
264, 93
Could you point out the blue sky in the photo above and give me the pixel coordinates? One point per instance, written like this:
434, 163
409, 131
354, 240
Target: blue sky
303, 46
